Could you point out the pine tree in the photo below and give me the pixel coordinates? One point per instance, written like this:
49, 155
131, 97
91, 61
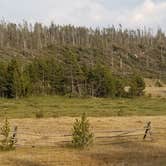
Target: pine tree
7, 142
82, 136
13, 84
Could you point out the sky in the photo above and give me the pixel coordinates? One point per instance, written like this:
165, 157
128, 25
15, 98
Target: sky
90, 13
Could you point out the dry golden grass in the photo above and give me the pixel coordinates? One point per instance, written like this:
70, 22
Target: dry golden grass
43, 145
154, 91
151, 82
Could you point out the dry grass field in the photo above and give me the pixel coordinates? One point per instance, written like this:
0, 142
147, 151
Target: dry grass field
41, 143
154, 91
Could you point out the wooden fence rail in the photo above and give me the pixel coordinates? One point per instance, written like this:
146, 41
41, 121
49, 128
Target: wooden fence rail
99, 134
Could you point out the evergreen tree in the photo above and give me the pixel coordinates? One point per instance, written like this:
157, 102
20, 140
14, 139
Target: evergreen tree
101, 82
3, 75
119, 86
82, 136
7, 142
137, 86
13, 84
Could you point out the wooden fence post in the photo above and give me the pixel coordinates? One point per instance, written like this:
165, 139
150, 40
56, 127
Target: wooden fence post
14, 139
148, 130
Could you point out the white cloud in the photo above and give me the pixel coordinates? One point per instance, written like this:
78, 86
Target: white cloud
78, 12
150, 13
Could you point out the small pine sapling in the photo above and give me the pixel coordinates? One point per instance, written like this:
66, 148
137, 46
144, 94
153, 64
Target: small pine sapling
82, 136
7, 143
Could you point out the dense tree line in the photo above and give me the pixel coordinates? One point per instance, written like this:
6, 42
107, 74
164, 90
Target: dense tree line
45, 75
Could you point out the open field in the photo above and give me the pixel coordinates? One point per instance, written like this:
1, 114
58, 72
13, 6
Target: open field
118, 125
55, 106
40, 146
154, 91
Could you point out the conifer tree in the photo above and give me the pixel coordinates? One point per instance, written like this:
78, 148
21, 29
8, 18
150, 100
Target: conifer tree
13, 84
82, 136
7, 143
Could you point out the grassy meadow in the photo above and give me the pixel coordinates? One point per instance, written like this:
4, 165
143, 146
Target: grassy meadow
56, 106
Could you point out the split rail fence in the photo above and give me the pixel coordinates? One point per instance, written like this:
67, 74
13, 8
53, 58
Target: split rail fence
24, 138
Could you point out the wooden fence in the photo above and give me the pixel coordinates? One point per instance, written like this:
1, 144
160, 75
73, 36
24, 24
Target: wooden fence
101, 136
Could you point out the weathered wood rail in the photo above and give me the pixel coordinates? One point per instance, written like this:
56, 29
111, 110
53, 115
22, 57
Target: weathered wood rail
65, 136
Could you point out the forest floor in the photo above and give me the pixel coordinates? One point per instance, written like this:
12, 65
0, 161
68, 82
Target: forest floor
118, 142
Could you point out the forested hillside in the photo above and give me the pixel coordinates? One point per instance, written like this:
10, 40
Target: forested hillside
122, 49
82, 61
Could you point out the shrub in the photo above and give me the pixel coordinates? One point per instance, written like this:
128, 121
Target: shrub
149, 95
140, 85
39, 114
8, 142
158, 83
56, 115
120, 88
120, 113
82, 136
137, 86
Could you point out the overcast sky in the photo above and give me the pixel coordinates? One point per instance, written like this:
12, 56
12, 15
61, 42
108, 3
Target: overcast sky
95, 13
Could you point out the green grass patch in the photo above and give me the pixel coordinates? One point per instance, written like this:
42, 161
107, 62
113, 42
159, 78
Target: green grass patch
55, 106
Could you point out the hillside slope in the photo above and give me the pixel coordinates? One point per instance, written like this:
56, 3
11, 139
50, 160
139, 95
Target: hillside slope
124, 50
121, 61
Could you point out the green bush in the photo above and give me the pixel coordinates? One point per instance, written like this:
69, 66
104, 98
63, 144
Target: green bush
120, 113
39, 114
8, 142
137, 86
120, 88
82, 136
